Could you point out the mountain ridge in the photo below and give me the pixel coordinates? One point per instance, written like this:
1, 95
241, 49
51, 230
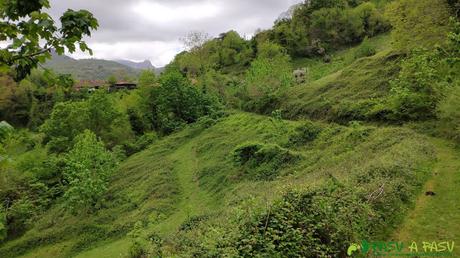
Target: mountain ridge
97, 69
144, 65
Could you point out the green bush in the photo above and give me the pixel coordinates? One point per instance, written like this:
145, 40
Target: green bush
455, 7
234, 50
138, 120
144, 245
137, 250
316, 223
268, 79
335, 27
263, 161
5, 130
3, 228
372, 20
304, 134
416, 92
19, 216
67, 120
193, 222
324, 221
88, 168
140, 144
365, 49
418, 23
176, 103
97, 114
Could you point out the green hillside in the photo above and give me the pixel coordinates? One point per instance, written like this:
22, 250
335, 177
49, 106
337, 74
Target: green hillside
346, 89
189, 183
228, 154
89, 69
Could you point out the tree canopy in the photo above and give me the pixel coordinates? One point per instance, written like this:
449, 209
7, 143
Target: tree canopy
32, 34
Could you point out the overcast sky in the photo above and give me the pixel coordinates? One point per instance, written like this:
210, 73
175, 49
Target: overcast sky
150, 29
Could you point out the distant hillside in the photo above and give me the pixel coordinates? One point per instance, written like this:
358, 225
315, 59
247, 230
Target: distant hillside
144, 65
137, 65
90, 69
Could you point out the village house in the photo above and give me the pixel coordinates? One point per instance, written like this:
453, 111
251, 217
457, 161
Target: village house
93, 85
122, 86
89, 85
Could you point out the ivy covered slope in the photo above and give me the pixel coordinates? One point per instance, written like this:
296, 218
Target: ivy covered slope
205, 190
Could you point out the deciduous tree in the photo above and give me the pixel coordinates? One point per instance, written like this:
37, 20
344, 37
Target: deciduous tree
87, 171
32, 33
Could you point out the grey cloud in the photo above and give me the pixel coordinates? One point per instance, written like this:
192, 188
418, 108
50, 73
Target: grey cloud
119, 23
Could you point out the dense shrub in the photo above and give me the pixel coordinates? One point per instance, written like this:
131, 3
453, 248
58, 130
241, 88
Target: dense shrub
192, 222
228, 52
66, 121
316, 223
3, 230
418, 23
322, 222
318, 26
176, 103
234, 50
30, 102
24, 199
455, 7
418, 88
88, 168
5, 130
268, 78
263, 161
304, 134
141, 143
365, 49
97, 114
143, 245
336, 26
137, 250
25, 190
320, 4
373, 21
138, 120
20, 216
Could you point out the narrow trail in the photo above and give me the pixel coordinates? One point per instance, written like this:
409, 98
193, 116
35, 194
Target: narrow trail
437, 218
194, 200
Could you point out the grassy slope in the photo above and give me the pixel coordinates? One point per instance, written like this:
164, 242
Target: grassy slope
337, 88
192, 173
347, 89
318, 69
437, 218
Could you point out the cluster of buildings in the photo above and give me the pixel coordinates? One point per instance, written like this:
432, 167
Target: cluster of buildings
93, 85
